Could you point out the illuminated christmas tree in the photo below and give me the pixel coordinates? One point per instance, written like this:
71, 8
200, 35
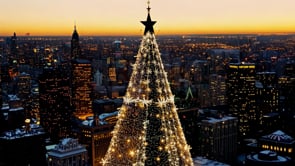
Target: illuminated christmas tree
148, 130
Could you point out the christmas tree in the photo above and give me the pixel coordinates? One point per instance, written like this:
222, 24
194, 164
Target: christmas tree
148, 130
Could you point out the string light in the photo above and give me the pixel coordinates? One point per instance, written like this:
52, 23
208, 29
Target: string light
148, 130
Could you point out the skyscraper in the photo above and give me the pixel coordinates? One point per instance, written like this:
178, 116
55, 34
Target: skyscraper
241, 95
148, 130
267, 95
13, 59
55, 103
24, 85
81, 80
75, 45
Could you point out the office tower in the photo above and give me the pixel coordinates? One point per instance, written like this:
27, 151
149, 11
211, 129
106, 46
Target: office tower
267, 95
218, 59
287, 90
68, 153
55, 103
241, 95
201, 72
81, 80
219, 138
0, 84
23, 146
81, 87
24, 85
34, 104
13, 58
96, 134
75, 45
287, 107
148, 130
217, 91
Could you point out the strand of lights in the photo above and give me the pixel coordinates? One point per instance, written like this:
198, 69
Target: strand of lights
148, 130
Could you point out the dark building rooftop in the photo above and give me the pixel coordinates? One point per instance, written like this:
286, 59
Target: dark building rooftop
280, 137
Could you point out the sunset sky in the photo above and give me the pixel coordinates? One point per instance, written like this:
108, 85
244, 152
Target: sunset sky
121, 17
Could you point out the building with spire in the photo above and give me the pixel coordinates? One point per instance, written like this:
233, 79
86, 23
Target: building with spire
75, 45
81, 80
13, 59
148, 130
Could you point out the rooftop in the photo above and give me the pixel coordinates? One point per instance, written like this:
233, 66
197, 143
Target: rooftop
67, 147
21, 133
267, 156
279, 136
200, 161
218, 120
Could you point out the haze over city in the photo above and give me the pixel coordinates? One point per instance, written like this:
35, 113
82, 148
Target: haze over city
115, 17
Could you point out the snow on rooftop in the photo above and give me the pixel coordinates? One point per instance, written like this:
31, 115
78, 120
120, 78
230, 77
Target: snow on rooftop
279, 136
201, 161
217, 120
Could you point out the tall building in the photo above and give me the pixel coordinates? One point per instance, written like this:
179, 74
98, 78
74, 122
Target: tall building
267, 95
148, 130
96, 134
217, 84
81, 88
286, 91
219, 138
55, 103
24, 85
13, 59
75, 45
201, 72
1, 101
241, 95
217, 61
81, 80
68, 153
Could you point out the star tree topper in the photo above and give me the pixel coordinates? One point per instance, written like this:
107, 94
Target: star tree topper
148, 23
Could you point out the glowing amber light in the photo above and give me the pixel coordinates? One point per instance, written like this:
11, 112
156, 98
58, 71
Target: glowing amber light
158, 158
131, 153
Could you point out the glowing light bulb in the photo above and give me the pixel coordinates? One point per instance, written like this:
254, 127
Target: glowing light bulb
131, 153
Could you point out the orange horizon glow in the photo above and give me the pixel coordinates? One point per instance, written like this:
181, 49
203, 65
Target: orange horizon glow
122, 18
108, 31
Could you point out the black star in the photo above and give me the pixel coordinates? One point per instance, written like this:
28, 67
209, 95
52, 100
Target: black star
148, 23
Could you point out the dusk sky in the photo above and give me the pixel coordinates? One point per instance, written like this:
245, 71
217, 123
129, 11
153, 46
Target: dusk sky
121, 17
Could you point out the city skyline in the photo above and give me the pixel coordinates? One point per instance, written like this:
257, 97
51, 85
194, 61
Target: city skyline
98, 17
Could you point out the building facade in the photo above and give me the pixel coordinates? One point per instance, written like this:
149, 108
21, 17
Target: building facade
55, 103
81, 80
241, 95
68, 153
97, 139
219, 138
